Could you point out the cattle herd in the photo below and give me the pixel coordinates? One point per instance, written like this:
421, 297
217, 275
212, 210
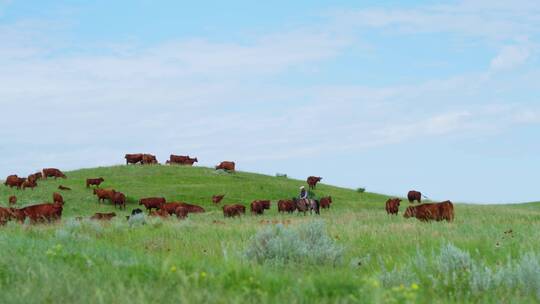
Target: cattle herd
159, 206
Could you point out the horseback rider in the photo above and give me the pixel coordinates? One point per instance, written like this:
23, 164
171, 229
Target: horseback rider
303, 193
308, 198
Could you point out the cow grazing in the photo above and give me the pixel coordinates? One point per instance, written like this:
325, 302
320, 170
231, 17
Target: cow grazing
257, 208
43, 212
432, 211
94, 182
312, 181
14, 181
191, 208
103, 216
286, 206
57, 198
226, 165
182, 160
119, 198
133, 158
414, 196
104, 194
53, 172
63, 188
392, 206
326, 202
36, 176
29, 183
181, 212
12, 200
170, 208
216, 199
152, 203
149, 159
6, 214
233, 210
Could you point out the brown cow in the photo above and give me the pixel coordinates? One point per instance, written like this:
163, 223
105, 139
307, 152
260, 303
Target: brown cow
226, 165
104, 194
53, 172
191, 208
217, 198
29, 183
57, 198
312, 181
257, 207
119, 198
149, 159
414, 196
181, 212
325, 202
133, 158
17, 214
5, 215
43, 212
170, 208
14, 181
35, 176
103, 216
12, 200
152, 203
94, 181
286, 206
182, 160
63, 188
160, 213
432, 211
190, 161
392, 206
233, 210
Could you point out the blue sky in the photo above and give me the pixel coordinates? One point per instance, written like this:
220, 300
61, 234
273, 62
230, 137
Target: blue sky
438, 96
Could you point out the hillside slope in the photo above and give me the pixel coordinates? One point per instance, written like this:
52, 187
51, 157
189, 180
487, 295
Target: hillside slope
178, 183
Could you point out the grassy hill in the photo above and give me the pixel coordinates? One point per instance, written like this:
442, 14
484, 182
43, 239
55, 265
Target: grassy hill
489, 254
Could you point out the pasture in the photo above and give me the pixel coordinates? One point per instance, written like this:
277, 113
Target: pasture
488, 254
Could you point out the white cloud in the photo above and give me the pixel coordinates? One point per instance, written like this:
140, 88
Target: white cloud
510, 57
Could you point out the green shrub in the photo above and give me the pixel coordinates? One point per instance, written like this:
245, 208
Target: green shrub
360, 190
307, 244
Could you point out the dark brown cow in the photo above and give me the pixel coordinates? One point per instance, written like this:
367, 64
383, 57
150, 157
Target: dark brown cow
182, 160
217, 198
104, 194
257, 208
43, 212
53, 172
36, 176
233, 210
325, 202
103, 216
286, 206
392, 206
152, 203
160, 213
12, 200
57, 198
226, 165
432, 211
29, 183
149, 159
94, 181
133, 158
63, 188
170, 208
312, 181
119, 198
414, 196
14, 181
181, 212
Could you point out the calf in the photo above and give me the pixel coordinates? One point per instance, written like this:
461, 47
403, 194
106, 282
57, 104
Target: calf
53, 172
94, 181
119, 198
57, 198
286, 206
325, 202
392, 206
226, 165
312, 181
152, 203
12, 200
104, 194
217, 198
233, 210
103, 216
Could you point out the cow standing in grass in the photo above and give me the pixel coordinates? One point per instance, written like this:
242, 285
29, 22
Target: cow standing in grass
94, 181
53, 172
325, 202
431, 212
152, 203
312, 181
392, 206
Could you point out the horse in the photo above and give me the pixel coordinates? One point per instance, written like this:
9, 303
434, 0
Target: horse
303, 205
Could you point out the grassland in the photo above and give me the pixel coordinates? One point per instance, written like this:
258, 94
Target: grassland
202, 259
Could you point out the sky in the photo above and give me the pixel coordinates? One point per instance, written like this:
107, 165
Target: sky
437, 96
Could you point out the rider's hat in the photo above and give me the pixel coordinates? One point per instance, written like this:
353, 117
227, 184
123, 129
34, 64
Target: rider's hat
301, 187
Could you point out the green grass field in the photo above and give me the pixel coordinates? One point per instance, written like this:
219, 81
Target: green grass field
206, 258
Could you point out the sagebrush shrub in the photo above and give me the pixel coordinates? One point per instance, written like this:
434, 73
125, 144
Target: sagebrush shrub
307, 244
